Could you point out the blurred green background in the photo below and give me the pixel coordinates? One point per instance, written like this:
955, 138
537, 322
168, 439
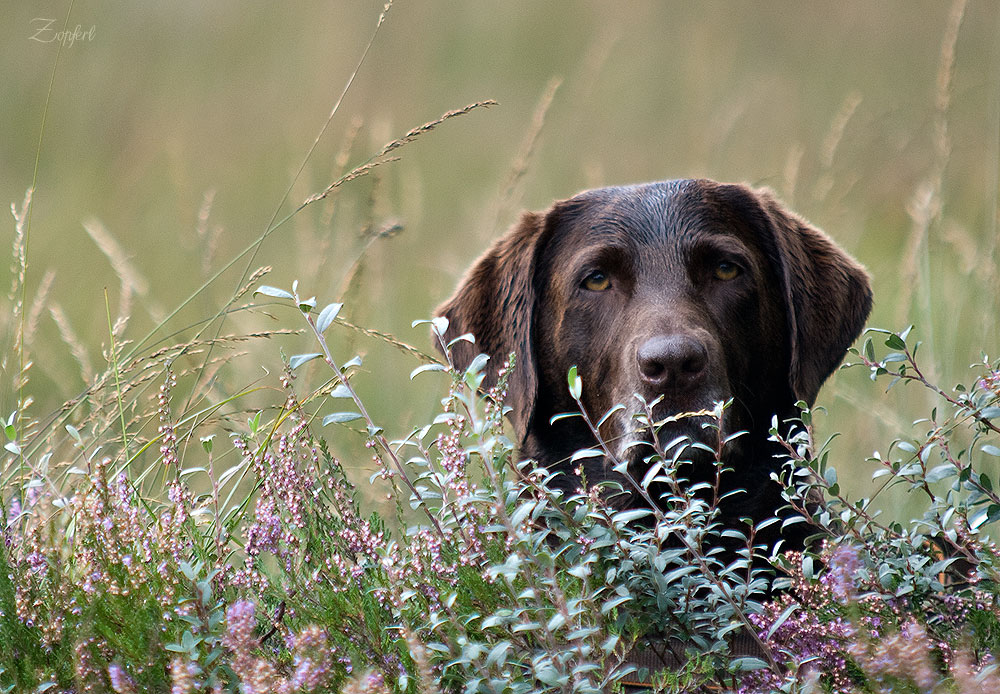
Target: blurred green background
172, 131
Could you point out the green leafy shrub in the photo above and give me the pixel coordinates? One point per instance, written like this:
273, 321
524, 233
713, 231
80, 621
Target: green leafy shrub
482, 577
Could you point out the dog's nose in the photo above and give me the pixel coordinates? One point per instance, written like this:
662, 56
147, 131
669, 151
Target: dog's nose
676, 363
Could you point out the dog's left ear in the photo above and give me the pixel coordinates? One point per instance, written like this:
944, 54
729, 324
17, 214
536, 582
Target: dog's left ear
827, 293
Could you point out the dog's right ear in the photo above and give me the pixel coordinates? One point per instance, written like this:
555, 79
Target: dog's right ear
495, 301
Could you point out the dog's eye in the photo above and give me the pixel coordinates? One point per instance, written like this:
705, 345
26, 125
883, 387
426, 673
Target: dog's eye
727, 271
596, 281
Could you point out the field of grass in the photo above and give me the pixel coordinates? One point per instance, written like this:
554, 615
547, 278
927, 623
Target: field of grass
165, 140
195, 190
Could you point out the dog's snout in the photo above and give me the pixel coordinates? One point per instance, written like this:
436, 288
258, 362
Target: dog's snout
677, 363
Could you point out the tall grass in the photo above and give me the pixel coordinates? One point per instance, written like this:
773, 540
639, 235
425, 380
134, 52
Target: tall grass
195, 498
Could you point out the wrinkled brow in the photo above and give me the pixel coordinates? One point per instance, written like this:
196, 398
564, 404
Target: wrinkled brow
650, 226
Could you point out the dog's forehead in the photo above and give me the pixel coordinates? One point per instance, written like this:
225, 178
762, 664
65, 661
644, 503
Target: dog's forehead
653, 213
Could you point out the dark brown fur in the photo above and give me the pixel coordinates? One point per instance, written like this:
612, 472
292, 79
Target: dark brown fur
667, 325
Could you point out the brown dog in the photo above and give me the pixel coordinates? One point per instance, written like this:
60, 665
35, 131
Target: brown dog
689, 291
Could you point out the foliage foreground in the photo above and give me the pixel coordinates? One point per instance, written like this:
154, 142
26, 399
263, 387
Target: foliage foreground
261, 568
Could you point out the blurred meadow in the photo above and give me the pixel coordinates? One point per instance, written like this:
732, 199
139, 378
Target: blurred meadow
172, 132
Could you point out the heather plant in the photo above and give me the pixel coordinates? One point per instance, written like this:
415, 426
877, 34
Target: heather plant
888, 605
486, 576
504, 583
488, 579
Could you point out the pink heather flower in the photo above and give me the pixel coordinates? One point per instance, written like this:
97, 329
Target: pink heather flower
87, 671
240, 624
991, 382
844, 565
14, 511
261, 678
120, 681
168, 436
905, 655
182, 676
312, 661
266, 532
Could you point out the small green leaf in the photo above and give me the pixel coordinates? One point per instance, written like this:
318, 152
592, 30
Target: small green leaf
189, 641
74, 434
498, 654
340, 418
427, 367
679, 573
781, 619
341, 391
326, 316
298, 360
206, 442
550, 676
464, 337
941, 472
10, 432
630, 516
575, 383
581, 633
521, 513
807, 567
586, 453
614, 602
993, 513
189, 571
895, 342
978, 518
830, 476
608, 414
273, 291
747, 664
439, 324
477, 364
206, 592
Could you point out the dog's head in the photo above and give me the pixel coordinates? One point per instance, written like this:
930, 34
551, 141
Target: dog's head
687, 292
